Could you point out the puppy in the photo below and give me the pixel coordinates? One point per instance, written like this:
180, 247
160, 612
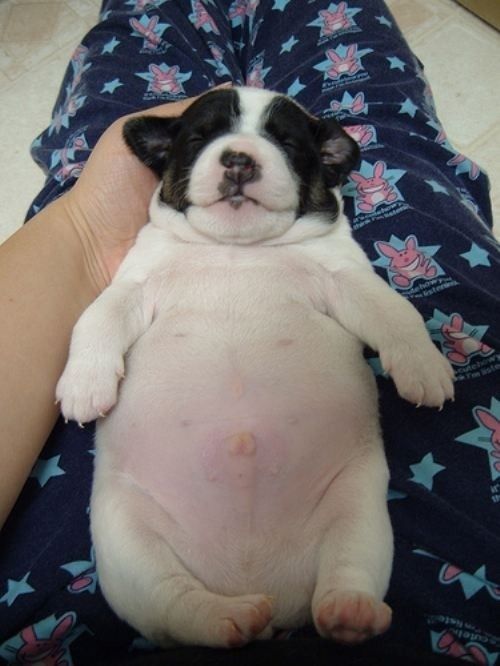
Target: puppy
240, 479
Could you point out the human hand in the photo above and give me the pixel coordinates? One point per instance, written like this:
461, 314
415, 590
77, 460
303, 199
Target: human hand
109, 203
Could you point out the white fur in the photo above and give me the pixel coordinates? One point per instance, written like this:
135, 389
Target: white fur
243, 459
273, 198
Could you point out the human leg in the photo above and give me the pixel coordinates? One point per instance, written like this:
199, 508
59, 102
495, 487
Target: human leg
421, 211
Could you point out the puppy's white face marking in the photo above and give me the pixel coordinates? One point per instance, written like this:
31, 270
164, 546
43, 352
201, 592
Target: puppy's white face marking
263, 207
244, 165
253, 102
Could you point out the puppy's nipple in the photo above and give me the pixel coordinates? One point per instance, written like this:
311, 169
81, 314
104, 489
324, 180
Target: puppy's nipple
242, 444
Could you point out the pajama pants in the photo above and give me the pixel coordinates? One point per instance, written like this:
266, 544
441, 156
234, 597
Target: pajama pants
421, 211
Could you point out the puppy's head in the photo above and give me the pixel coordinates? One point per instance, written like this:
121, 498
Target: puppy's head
244, 164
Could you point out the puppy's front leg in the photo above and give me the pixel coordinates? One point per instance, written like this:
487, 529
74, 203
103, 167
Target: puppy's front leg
89, 384
367, 307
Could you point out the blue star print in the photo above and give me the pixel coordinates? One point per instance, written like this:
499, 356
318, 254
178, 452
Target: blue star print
111, 86
110, 46
396, 63
288, 45
408, 107
425, 471
476, 256
437, 187
280, 5
16, 588
471, 583
482, 436
295, 88
384, 21
44, 470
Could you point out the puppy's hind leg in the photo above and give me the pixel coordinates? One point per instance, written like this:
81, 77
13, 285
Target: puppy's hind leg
148, 586
355, 555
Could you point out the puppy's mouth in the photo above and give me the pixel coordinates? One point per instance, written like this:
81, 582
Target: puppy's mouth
237, 200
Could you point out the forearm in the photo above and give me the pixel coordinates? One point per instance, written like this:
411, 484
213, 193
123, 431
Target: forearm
45, 285
367, 307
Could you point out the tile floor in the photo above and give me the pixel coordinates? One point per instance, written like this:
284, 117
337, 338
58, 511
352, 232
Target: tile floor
459, 51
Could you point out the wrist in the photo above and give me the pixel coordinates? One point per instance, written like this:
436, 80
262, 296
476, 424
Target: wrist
81, 239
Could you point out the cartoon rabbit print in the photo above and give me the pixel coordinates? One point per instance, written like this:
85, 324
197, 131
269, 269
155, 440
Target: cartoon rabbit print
165, 81
375, 190
461, 344
343, 65
147, 31
335, 20
450, 645
407, 264
355, 106
362, 134
489, 421
45, 651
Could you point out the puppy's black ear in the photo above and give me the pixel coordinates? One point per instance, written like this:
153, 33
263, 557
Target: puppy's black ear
150, 138
339, 153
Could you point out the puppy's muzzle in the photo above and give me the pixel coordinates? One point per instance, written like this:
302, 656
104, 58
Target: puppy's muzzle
240, 170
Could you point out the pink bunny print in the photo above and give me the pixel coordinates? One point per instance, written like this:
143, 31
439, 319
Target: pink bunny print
362, 134
450, 573
238, 9
255, 77
407, 264
461, 345
242, 8
147, 31
69, 168
449, 644
490, 422
346, 65
375, 190
45, 651
165, 81
467, 164
357, 105
202, 18
335, 20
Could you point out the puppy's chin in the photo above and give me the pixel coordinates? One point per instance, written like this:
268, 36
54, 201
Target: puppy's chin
240, 222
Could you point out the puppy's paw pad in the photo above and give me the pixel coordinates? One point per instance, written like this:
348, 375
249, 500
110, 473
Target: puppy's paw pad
351, 617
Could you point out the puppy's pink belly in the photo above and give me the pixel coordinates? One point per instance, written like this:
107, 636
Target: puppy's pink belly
216, 432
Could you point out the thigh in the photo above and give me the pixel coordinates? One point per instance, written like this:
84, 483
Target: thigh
421, 211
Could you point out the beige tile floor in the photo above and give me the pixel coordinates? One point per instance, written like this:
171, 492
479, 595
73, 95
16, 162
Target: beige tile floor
461, 55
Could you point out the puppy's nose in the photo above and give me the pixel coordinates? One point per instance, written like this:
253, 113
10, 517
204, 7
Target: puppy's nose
240, 167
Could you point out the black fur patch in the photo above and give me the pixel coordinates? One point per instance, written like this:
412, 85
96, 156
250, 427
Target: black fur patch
170, 146
319, 152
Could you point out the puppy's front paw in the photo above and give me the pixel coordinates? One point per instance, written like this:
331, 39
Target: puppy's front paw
422, 376
88, 387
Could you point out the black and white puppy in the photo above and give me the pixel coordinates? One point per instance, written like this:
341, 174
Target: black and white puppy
240, 480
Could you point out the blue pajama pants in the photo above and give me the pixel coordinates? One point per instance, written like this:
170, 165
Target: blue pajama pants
422, 213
